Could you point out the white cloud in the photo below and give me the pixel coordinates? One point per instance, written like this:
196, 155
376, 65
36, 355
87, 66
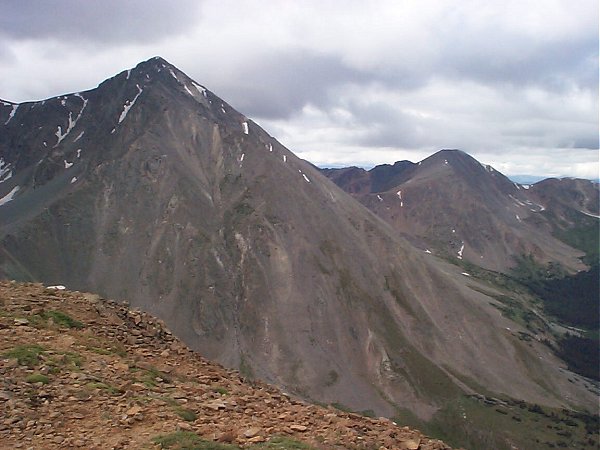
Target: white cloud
348, 82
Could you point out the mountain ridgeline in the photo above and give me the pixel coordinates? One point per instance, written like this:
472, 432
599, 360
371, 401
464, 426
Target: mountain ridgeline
457, 207
151, 189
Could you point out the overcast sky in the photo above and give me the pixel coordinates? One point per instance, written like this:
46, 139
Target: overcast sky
342, 82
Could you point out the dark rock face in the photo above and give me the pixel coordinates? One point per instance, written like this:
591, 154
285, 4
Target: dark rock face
152, 189
452, 204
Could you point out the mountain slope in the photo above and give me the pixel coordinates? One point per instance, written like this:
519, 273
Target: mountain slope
572, 212
82, 372
451, 203
152, 189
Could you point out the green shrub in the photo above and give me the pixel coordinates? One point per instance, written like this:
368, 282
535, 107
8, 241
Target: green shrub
61, 319
186, 414
37, 378
26, 355
220, 390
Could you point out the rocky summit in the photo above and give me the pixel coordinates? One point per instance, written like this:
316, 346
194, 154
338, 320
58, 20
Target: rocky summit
78, 371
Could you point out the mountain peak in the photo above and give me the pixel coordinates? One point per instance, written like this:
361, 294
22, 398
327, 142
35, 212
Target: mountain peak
156, 63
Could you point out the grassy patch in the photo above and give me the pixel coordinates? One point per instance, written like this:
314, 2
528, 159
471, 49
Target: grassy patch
284, 443
62, 319
111, 390
26, 355
37, 378
220, 390
150, 376
342, 407
106, 347
66, 360
583, 235
187, 440
186, 414
245, 368
503, 424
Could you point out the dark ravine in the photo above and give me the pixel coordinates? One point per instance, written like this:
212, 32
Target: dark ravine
152, 189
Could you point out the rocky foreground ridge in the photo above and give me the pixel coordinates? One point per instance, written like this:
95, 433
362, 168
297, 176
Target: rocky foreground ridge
78, 371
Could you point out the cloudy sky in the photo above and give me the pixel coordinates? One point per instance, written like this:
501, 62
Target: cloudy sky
343, 82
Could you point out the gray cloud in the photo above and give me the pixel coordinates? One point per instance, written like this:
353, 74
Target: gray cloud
280, 83
553, 66
102, 21
343, 81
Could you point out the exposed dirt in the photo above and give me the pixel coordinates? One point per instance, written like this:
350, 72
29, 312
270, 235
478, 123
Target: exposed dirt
82, 372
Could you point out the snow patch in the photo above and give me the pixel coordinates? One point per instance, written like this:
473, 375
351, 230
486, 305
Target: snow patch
3, 167
128, 104
8, 197
188, 90
460, 252
79, 136
428, 251
72, 123
270, 147
128, 73
242, 157
284, 158
379, 198
58, 287
306, 178
245, 127
5, 176
201, 89
526, 186
517, 217
12, 113
589, 214
68, 164
530, 203
73, 180
59, 134
173, 74
399, 194
446, 161
45, 144
466, 274
517, 201
63, 102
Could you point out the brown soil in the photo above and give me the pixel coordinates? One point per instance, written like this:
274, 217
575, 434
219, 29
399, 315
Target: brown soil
78, 371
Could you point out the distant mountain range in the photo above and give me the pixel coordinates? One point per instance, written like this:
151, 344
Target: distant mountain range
455, 206
152, 189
